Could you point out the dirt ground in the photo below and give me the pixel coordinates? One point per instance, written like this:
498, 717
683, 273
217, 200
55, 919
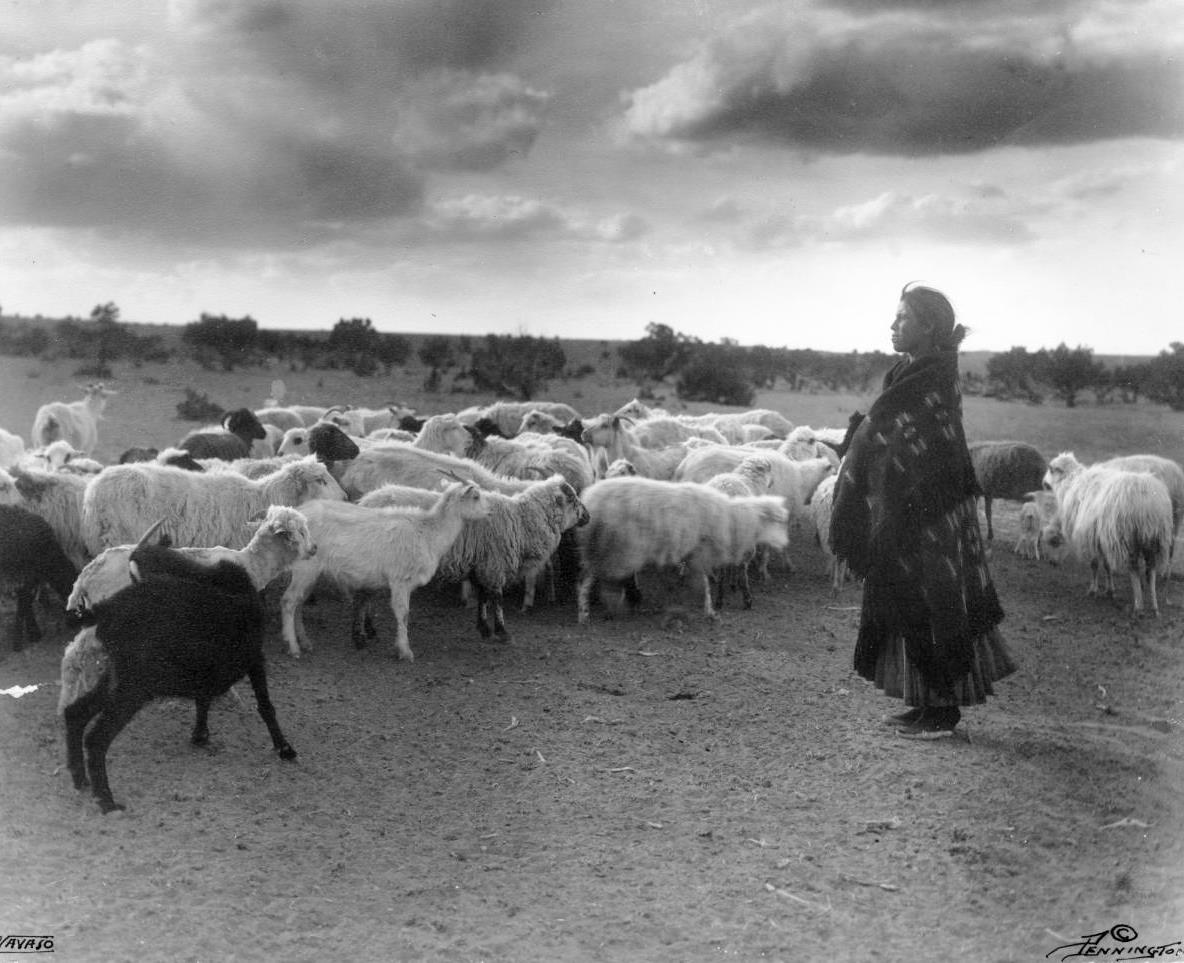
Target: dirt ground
651, 787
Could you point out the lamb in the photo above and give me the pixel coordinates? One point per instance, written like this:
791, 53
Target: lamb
201, 510
1035, 514
191, 636
639, 521
511, 545
57, 497
239, 429
375, 548
12, 447
1121, 520
30, 556
281, 539
610, 433
60, 455
1007, 470
75, 421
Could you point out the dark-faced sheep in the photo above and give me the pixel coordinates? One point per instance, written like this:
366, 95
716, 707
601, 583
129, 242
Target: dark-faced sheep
240, 429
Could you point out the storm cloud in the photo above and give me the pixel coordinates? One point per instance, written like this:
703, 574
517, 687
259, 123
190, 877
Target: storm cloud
954, 80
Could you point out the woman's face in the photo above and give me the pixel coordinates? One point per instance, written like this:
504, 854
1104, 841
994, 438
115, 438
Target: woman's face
909, 335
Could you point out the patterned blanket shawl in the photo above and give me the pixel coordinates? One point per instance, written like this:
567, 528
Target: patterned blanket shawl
905, 518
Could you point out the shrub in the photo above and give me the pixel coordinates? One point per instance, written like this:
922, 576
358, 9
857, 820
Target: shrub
198, 407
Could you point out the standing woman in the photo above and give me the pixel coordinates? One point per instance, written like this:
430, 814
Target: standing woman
906, 519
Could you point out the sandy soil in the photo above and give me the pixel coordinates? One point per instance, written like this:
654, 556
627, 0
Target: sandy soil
652, 787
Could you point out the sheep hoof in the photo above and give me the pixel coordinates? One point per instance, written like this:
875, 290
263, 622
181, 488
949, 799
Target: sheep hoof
110, 806
360, 639
80, 780
200, 739
484, 630
503, 637
287, 752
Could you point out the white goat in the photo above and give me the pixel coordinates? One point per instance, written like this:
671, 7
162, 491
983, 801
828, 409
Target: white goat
281, 539
200, 509
375, 548
637, 522
75, 421
512, 545
1119, 519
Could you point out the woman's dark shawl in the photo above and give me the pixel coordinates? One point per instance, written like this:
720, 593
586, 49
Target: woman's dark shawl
901, 521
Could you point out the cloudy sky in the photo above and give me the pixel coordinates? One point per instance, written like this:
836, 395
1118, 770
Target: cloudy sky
770, 173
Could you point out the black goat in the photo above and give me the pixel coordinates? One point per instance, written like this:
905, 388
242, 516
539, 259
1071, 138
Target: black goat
30, 556
241, 427
186, 631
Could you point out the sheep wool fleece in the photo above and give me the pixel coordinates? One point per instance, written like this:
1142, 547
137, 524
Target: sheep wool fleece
906, 519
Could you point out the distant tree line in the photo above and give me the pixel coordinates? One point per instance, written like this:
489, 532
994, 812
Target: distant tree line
1066, 373
519, 366
522, 365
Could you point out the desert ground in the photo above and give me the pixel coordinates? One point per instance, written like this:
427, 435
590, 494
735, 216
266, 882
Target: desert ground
653, 786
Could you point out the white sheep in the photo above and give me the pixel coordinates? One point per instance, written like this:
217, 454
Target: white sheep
753, 476
397, 464
200, 509
637, 522
512, 458
281, 539
75, 421
57, 497
1121, 520
359, 548
822, 504
731, 424
513, 544
12, 447
662, 432
281, 418
610, 433
620, 467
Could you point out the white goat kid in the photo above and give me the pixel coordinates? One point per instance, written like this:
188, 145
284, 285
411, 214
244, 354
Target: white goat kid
377, 548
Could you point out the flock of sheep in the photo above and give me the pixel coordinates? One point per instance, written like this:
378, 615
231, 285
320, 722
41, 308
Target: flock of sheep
379, 502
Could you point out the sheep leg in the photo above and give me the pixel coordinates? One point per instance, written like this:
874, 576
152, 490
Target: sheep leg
292, 615
201, 723
401, 608
257, 673
27, 628
632, 591
583, 596
499, 617
987, 509
708, 608
121, 706
745, 588
361, 624
483, 628
76, 716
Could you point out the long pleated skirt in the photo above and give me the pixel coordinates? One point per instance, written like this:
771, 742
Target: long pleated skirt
897, 677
